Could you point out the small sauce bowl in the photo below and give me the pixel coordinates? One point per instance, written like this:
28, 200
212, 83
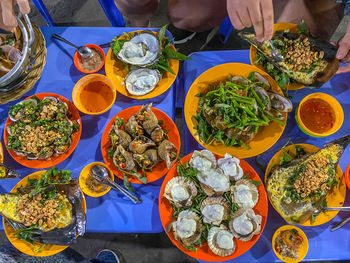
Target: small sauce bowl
84, 175
302, 251
333, 103
94, 94
77, 59
347, 176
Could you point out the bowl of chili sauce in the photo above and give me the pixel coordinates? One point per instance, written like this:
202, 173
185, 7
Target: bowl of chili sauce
319, 115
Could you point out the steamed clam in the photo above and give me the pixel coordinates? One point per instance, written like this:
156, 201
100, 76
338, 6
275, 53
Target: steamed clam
187, 228
142, 81
158, 135
167, 151
119, 137
280, 103
147, 160
133, 127
147, 118
245, 193
220, 241
23, 110
214, 210
140, 144
123, 159
245, 224
180, 191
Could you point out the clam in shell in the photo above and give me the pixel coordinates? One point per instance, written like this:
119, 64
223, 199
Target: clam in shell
123, 159
140, 144
148, 159
230, 166
133, 127
214, 182
142, 81
220, 241
158, 135
244, 193
180, 191
167, 151
119, 137
187, 228
214, 210
245, 224
147, 118
203, 160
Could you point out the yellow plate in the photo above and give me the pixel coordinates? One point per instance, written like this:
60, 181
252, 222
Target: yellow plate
116, 73
83, 176
335, 197
302, 251
23, 246
1, 154
277, 27
266, 136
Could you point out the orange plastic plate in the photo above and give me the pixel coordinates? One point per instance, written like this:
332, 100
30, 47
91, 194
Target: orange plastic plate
204, 253
40, 164
116, 73
266, 136
335, 198
160, 169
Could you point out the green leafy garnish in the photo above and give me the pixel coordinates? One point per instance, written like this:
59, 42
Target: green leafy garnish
127, 184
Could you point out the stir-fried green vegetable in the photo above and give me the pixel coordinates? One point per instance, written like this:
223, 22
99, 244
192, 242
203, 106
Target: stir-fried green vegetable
232, 113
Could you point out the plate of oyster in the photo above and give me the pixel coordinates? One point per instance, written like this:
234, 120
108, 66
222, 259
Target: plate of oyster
309, 179
140, 144
142, 64
44, 213
237, 109
308, 60
213, 208
42, 130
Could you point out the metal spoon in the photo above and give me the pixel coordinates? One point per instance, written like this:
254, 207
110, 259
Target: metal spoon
83, 51
343, 208
100, 174
275, 54
340, 224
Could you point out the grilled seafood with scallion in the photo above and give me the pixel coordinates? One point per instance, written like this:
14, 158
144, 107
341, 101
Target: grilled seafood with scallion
40, 129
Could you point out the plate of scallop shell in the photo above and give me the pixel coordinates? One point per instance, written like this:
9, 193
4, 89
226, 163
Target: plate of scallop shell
213, 208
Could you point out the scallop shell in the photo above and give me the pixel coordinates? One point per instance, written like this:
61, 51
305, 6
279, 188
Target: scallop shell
230, 166
216, 200
212, 242
252, 217
203, 160
197, 234
209, 190
189, 186
253, 190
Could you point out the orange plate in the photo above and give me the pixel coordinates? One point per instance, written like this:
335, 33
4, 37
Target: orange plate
40, 164
266, 136
1, 154
335, 198
160, 169
204, 253
23, 246
277, 27
116, 73
76, 59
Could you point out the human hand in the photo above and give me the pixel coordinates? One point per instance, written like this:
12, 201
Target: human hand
8, 17
343, 52
257, 13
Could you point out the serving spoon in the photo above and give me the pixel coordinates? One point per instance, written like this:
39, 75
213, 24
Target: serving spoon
100, 174
83, 51
343, 208
275, 54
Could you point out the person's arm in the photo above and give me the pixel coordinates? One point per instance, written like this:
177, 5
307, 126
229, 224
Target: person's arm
8, 18
344, 51
257, 13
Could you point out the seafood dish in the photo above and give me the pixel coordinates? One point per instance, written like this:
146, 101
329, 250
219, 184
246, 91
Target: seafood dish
299, 187
288, 243
6, 172
306, 59
139, 144
40, 129
92, 64
231, 112
146, 56
47, 210
10, 50
213, 201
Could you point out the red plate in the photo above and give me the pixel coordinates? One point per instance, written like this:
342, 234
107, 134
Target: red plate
160, 169
204, 253
40, 164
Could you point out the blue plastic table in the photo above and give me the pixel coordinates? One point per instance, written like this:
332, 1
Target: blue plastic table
323, 244
112, 212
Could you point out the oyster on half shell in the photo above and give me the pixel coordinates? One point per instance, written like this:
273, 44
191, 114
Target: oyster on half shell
142, 81
142, 50
214, 210
245, 224
187, 228
244, 193
180, 191
220, 241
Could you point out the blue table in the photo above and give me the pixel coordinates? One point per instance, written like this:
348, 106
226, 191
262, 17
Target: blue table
112, 212
323, 244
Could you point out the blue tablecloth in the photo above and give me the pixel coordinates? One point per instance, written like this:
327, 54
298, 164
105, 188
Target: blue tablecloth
323, 244
112, 212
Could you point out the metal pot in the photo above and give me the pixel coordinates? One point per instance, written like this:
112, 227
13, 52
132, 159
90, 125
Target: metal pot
28, 39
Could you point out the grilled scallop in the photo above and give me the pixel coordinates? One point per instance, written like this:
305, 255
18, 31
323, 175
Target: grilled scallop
244, 193
214, 210
187, 228
180, 191
203, 160
230, 166
220, 241
214, 182
245, 224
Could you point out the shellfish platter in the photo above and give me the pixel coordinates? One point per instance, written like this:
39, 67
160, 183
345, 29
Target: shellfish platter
212, 208
42, 130
140, 144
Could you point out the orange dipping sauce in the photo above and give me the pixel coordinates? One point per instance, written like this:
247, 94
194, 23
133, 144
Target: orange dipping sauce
96, 96
317, 115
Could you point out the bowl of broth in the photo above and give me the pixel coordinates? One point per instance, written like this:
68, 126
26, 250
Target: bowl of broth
94, 94
319, 115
